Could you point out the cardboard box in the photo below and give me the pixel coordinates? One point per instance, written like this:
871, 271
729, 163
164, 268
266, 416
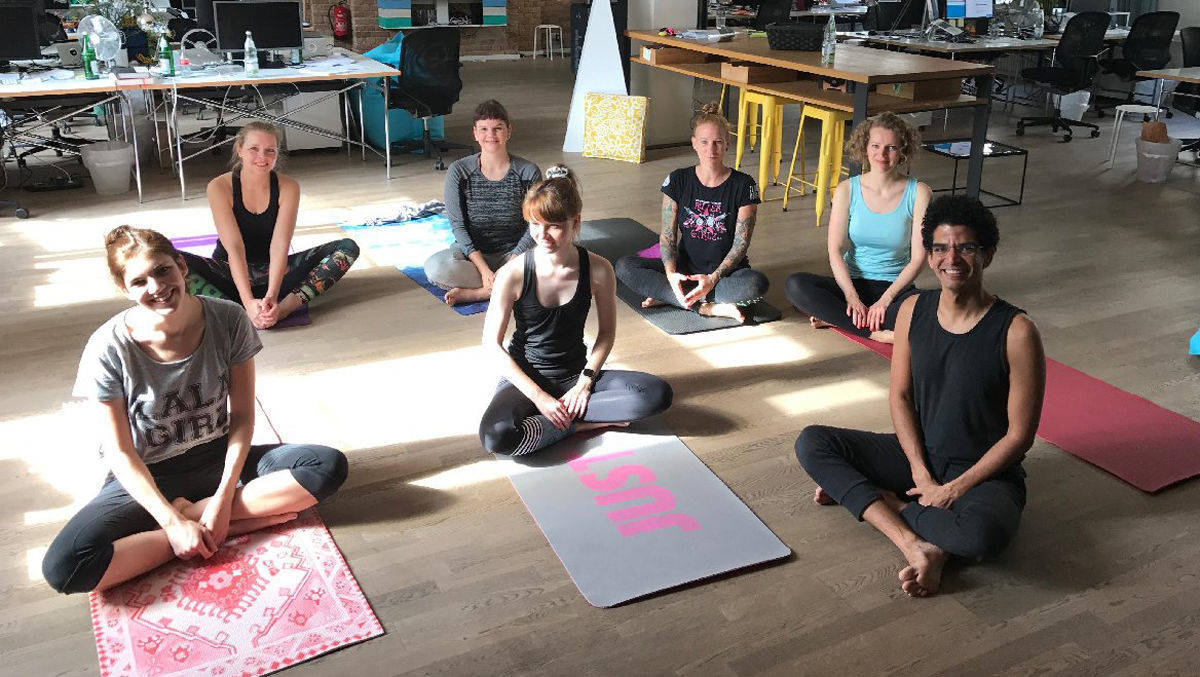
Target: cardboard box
661, 54
752, 73
923, 90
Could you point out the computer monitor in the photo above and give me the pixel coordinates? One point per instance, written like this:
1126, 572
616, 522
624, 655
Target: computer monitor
275, 24
19, 31
969, 9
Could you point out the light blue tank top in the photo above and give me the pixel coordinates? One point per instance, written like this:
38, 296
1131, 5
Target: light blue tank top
880, 244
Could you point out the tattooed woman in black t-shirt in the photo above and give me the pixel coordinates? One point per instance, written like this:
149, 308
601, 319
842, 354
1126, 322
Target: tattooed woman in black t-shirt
708, 214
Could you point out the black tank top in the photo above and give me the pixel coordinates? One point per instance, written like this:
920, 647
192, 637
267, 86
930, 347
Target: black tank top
256, 229
960, 381
549, 341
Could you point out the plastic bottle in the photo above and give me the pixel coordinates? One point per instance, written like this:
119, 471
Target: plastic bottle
166, 60
1039, 23
89, 60
829, 43
251, 55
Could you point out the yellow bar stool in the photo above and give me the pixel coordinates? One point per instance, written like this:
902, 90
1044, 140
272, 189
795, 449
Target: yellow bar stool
770, 149
829, 164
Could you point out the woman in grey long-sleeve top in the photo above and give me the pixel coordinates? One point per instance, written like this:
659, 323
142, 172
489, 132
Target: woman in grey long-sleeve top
483, 202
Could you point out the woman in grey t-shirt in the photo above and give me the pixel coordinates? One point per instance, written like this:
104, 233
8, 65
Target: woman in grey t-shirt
173, 381
484, 193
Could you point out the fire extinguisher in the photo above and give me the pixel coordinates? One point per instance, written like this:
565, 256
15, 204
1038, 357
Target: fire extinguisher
339, 19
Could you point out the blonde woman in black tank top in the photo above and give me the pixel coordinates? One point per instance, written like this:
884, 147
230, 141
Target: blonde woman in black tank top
553, 386
254, 209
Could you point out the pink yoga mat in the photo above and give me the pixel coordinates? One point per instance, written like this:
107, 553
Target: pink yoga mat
265, 601
1128, 436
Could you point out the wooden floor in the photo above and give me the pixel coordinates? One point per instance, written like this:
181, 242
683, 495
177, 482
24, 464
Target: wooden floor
1101, 579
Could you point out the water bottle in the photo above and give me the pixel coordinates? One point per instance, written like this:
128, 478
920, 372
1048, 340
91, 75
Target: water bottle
1039, 23
166, 60
251, 54
829, 44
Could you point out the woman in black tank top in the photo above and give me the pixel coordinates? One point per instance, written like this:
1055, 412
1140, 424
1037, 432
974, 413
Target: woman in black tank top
552, 385
254, 209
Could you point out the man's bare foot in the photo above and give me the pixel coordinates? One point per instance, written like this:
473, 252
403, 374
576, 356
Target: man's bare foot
459, 295
818, 324
582, 427
883, 336
721, 310
239, 527
652, 303
892, 500
822, 498
923, 575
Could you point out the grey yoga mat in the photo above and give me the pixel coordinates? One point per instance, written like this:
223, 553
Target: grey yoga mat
632, 512
614, 238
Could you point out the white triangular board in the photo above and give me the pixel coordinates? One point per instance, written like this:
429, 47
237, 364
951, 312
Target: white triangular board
600, 70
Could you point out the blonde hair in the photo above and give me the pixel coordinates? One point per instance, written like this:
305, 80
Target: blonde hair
124, 242
555, 199
910, 138
708, 115
235, 161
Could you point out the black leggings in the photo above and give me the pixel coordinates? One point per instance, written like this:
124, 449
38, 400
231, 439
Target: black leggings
309, 273
852, 466
512, 424
648, 278
82, 551
821, 297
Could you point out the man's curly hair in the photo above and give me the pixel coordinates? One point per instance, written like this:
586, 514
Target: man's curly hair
910, 138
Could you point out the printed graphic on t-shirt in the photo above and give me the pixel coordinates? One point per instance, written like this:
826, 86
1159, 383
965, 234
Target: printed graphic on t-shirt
184, 417
706, 221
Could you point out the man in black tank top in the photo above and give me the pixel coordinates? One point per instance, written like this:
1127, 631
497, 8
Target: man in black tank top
968, 374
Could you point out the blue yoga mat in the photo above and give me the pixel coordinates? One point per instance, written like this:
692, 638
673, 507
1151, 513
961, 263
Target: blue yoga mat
406, 245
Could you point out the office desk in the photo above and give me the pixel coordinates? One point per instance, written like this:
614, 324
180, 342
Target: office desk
1189, 75
103, 90
982, 45
1112, 35
340, 80
861, 67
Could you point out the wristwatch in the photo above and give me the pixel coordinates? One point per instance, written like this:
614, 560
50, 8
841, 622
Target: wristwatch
588, 372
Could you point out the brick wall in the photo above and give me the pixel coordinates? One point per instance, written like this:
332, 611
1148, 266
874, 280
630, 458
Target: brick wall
523, 15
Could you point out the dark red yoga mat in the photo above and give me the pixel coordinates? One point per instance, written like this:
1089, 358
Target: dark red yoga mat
1128, 436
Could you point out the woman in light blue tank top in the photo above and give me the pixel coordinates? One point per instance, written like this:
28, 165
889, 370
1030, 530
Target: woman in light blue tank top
874, 250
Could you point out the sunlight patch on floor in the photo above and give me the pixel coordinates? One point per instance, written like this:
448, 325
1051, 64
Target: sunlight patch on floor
828, 396
60, 448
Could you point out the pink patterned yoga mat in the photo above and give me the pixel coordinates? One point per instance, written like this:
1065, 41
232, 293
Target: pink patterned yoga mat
265, 601
1132, 438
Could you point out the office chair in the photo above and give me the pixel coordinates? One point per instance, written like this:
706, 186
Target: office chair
428, 85
1075, 67
772, 11
1148, 47
1077, 6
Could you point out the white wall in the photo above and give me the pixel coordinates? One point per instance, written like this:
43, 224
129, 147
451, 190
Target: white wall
1189, 11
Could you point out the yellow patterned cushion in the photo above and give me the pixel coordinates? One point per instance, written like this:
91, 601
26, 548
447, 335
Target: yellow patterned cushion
614, 127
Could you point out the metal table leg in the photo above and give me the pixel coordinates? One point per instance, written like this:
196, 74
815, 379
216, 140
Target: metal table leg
387, 132
178, 141
983, 85
137, 161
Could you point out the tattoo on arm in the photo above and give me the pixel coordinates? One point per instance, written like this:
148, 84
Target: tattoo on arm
741, 245
668, 242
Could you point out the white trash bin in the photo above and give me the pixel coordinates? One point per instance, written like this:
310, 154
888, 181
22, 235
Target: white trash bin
1072, 106
1156, 160
110, 163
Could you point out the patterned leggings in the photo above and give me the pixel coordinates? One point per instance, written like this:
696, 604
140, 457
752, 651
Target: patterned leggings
309, 273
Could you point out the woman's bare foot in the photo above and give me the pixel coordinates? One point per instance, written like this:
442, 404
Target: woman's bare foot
822, 498
652, 303
923, 575
459, 295
721, 310
582, 427
883, 336
290, 304
818, 324
239, 527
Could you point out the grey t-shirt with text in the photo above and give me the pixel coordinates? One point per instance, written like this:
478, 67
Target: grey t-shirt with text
172, 406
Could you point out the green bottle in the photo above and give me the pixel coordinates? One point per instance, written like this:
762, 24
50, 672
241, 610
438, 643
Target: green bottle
166, 60
89, 60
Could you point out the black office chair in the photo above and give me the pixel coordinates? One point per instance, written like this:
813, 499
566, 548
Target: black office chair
1089, 5
1075, 67
428, 85
1148, 47
772, 11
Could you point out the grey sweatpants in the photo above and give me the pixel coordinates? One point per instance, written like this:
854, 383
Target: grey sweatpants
449, 269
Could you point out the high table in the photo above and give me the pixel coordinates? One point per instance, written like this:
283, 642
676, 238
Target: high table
862, 68
1190, 75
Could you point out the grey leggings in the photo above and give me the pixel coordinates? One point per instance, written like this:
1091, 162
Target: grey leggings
449, 269
852, 466
82, 551
648, 278
512, 424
